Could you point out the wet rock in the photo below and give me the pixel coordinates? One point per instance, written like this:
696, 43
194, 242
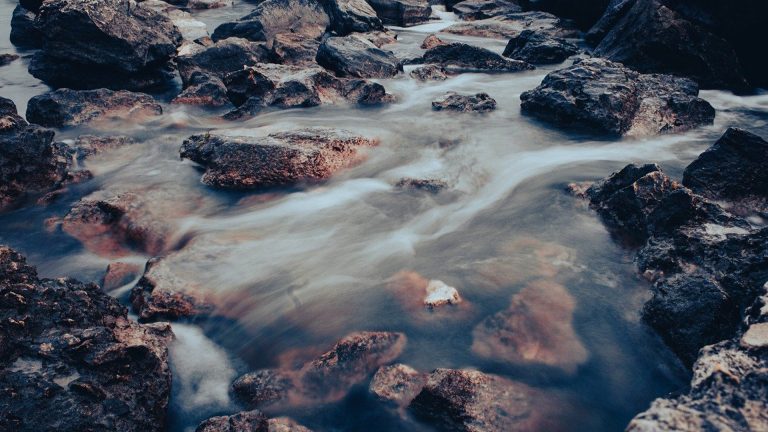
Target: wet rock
30, 162
294, 50
348, 16
86, 146
273, 17
65, 107
439, 294
537, 48
6, 59
732, 169
127, 46
460, 57
352, 56
653, 38
397, 384
119, 274
605, 96
403, 13
431, 41
221, 58
72, 360
24, 34
429, 73
469, 400
427, 185
481, 9
537, 328
511, 25
279, 159
246, 421
203, 89
480, 102
327, 378
285, 424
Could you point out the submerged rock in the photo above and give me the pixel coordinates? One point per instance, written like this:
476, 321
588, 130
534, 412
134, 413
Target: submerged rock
482, 9
429, 73
537, 48
537, 328
6, 59
427, 185
65, 107
127, 46
279, 159
397, 384
73, 361
272, 17
608, 97
352, 56
403, 13
460, 57
480, 103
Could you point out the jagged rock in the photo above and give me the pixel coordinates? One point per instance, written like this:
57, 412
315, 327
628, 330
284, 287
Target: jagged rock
24, 34
480, 102
397, 384
431, 41
223, 57
732, 169
403, 13
608, 97
273, 17
429, 73
65, 107
427, 185
73, 361
116, 44
279, 159
538, 48
481, 9
203, 89
352, 56
511, 25
460, 57
348, 16
537, 328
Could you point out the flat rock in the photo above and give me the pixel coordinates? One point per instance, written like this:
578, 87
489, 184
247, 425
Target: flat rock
460, 57
539, 48
279, 159
608, 97
512, 24
272, 17
352, 56
66, 108
402, 13
479, 103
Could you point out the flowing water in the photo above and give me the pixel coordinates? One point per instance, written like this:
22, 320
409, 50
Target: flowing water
308, 266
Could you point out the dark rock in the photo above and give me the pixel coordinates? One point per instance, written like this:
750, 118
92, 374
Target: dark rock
296, 50
606, 96
429, 73
24, 34
397, 384
427, 185
431, 41
73, 361
246, 421
273, 17
65, 107
6, 59
511, 25
480, 102
732, 169
481, 9
348, 16
537, 48
584, 12
613, 13
203, 89
114, 44
223, 57
279, 159
31, 5
460, 57
651, 37
403, 13
351, 56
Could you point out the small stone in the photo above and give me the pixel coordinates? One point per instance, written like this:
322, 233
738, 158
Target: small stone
756, 336
440, 294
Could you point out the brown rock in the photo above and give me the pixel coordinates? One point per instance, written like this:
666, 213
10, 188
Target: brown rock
397, 384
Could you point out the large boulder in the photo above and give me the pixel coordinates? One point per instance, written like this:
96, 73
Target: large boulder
609, 97
66, 107
223, 57
403, 13
279, 159
72, 360
539, 48
353, 56
348, 16
116, 44
273, 17
24, 34
460, 57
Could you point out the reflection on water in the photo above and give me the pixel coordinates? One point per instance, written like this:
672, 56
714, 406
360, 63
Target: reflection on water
296, 271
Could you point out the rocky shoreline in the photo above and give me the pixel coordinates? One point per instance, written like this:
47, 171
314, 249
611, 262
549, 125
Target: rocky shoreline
72, 357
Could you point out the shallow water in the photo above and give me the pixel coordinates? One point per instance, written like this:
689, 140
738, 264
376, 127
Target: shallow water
307, 267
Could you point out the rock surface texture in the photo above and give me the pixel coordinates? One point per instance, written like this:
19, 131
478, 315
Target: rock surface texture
65, 107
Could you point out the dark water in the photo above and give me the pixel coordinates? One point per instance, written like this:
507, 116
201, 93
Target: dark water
310, 266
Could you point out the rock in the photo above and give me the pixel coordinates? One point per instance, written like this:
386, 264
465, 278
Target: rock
30, 162
402, 13
439, 294
6, 59
584, 12
756, 336
351, 56
427, 185
273, 17
431, 41
285, 424
222, 58
327, 378
471, 10
119, 274
294, 50
72, 360
380, 38
66, 108
608, 97
732, 169
653, 38
279, 159
24, 34
203, 89
429, 73
537, 328
348, 16
511, 25
397, 384
480, 102
190, 28
460, 57
127, 47
86, 146
537, 48
246, 421
613, 13
469, 400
